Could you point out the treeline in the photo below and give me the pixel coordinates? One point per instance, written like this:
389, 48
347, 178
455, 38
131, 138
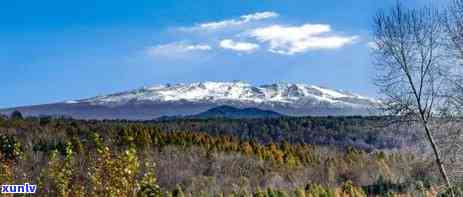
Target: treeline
366, 133
81, 158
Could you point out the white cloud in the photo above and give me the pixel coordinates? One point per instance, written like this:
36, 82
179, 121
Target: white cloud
198, 47
234, 22
290, 40
176, 48
258, 16
238, 46
275, 38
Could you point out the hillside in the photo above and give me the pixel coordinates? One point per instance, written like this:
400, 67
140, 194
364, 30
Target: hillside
236, 113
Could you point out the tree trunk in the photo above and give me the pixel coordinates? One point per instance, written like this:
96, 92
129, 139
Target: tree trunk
439, 162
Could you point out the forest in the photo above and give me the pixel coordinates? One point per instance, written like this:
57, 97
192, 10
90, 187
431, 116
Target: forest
213, 157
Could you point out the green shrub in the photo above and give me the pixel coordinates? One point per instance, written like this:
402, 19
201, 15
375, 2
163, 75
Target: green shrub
316, 190
349, 190
113, 174
57, 177
178, 192
10, 148
149, 187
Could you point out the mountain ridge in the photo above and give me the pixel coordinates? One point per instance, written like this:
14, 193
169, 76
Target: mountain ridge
188, 99
235, 90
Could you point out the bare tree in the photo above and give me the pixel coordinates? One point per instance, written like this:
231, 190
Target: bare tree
451, 138
454, 23
454, 27
410, 71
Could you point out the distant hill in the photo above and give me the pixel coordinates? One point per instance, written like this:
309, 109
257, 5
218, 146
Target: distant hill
225, 111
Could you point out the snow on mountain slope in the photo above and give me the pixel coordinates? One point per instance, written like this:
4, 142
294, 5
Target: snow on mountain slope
188, 99
236, 91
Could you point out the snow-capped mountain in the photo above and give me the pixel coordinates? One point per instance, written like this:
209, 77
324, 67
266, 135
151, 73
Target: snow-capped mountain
187, 99
237, 91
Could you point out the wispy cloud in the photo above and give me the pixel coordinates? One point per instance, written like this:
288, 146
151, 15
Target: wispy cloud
176, 49
233, 22
274, 38
238, 46
290, 40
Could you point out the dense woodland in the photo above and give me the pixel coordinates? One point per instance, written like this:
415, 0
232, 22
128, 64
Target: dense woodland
211, 157
366, 133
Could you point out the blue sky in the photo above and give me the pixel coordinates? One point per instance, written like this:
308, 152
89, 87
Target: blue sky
58, 50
